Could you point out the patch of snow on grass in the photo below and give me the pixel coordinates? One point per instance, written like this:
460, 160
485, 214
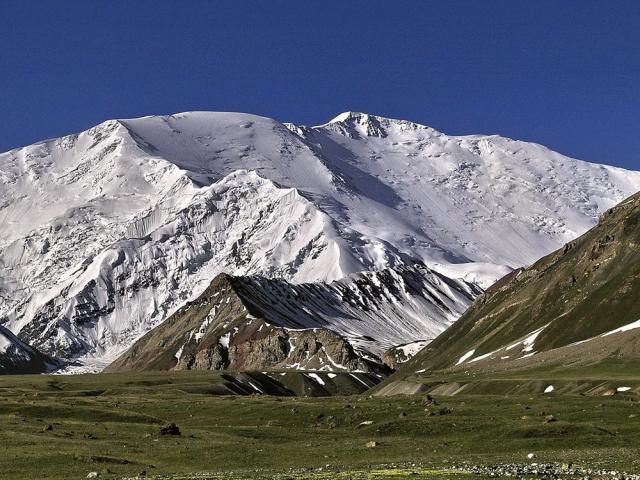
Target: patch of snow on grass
530, 340
359, 380
466, 356
549, 389
255, 387
482, 357
205, 323
625, 328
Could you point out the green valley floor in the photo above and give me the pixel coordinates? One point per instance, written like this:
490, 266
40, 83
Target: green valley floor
67, 427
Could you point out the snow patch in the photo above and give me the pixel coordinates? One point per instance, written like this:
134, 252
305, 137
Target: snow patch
317, 378
464, 357
625, 328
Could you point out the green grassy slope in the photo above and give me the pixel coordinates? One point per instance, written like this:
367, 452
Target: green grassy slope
589, 287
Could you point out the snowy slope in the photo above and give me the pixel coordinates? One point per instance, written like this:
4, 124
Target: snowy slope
374, 311
18, 357
107, 232
249, 323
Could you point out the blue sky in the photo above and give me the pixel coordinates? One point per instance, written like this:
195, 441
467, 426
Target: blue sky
565, 74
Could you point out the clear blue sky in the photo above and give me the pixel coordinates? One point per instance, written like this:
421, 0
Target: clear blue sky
562, 73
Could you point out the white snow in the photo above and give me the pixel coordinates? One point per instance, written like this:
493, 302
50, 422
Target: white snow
205, 324
5, 343
625, 328
178, 354
255, 387
12, 348
549, 389
411, 349
482, 357
623, 389
121, 223
224, 340
464, 357
529, 342
317, 378
355, 377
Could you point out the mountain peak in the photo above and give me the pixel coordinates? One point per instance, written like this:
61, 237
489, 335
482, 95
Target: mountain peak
346, 116
133, 206
355, 124
361, 118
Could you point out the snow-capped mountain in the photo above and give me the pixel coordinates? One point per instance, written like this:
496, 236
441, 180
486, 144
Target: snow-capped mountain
107, 232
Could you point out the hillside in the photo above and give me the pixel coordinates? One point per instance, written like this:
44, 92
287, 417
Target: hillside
136, 217
253, 323
576, 309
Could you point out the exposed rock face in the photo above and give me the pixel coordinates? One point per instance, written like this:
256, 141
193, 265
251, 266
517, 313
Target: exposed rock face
217, 332
254, 323
215, 357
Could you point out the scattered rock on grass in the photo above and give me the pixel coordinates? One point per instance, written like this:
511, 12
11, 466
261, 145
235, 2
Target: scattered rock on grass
170, 429
372, 444
429, 400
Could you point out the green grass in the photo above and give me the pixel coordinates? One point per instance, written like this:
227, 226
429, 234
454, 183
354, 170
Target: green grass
110, 423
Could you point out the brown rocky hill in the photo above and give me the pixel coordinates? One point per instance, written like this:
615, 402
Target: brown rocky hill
255, 323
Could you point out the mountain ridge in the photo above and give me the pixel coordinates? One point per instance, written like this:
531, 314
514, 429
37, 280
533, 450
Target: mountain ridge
85, 275
253, 322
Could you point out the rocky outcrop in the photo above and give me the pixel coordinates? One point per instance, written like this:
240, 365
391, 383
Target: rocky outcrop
263, 346
254, 323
